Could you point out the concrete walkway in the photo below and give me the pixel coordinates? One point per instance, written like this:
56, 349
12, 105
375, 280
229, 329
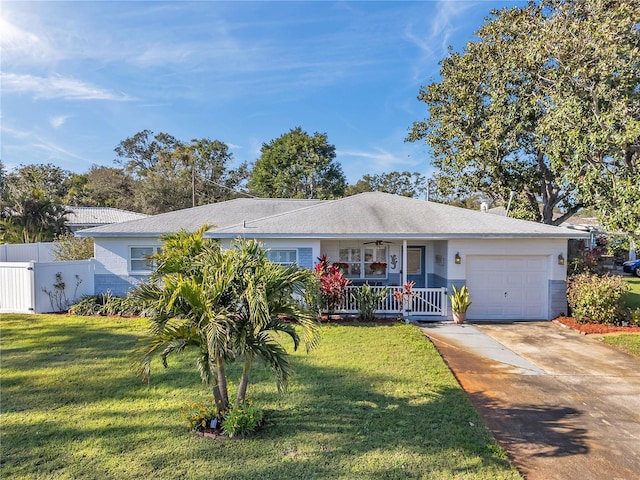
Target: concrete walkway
564, 405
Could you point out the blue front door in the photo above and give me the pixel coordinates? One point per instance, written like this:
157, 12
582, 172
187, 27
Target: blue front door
416, 266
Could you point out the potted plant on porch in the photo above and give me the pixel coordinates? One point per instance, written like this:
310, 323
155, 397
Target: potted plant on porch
460, 302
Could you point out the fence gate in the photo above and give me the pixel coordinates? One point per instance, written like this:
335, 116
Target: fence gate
17, 294
41, 287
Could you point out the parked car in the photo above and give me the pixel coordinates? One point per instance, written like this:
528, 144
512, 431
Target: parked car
632, 266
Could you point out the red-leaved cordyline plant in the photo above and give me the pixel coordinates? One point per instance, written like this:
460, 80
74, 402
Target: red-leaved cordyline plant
332, 284
405, 294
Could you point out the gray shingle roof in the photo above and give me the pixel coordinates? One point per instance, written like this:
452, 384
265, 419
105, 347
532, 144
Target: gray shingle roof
382, 215
93, 216
367, 215
216, 214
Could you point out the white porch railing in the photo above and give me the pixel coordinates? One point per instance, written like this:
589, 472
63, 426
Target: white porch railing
424, 301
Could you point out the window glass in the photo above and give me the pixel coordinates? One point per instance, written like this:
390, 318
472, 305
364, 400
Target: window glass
364, 262
375, 262
283, 257
140, 258
351, 256
414, 261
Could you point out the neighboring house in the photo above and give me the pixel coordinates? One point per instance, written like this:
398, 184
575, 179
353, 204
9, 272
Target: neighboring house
515, 269
80, 218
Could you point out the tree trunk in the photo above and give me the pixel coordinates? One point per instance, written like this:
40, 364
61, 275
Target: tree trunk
216, 391
222, 384
244, 381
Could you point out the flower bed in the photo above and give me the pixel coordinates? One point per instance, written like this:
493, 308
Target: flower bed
588, 328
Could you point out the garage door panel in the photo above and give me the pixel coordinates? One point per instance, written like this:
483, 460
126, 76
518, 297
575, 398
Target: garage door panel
508, 288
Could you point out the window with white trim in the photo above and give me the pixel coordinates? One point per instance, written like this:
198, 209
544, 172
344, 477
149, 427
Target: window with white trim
281, 256
141, 259
364, 262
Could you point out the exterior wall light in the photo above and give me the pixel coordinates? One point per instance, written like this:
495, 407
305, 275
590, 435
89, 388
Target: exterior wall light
560, 260
458, 259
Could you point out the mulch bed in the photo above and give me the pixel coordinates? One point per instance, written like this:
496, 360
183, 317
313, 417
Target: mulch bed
591, 328
341, 319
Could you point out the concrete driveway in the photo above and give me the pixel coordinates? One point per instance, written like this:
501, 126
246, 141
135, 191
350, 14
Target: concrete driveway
564, 405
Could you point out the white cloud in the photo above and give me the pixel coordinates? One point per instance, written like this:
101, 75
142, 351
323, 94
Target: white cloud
56, 87
58, 120
377, 160
19, 44
433, 38
28, 142
55, 150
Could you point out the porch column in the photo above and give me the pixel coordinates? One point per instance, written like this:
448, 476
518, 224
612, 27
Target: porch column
404, 262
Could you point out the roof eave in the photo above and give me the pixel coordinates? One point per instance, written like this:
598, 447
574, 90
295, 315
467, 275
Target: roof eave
87, 233
387, 236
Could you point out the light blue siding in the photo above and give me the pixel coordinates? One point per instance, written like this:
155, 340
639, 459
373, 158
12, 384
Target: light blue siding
305, 257
117, 285
557, 298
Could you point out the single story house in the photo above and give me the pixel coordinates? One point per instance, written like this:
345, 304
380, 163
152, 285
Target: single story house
514, 269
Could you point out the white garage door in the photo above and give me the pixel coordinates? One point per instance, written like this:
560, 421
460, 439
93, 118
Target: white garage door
508, 288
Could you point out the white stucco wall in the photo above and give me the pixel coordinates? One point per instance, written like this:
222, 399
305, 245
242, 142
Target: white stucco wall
112, 254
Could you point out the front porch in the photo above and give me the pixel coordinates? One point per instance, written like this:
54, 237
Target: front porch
424, 302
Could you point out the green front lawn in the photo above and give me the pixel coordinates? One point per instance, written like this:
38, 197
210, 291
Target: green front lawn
371, 402
627, 342
632, 299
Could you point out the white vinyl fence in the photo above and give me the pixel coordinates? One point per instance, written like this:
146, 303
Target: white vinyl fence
27, 252
40, 287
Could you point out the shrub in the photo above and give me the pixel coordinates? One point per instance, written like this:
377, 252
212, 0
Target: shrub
368, 300
241, 419
199, 415
333, 284
87, 307
69, 247
106, 304
460, 299
597, 299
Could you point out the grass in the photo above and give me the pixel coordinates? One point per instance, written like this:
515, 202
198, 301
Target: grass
627, 342
632, 299
371, 402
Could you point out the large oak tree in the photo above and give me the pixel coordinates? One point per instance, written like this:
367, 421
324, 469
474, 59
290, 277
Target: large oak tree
545, 103
170, 174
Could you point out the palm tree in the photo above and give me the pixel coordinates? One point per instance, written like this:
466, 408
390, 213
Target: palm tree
35, 219
228, 304
266, 308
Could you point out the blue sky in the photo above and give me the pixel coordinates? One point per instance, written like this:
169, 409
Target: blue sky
79, 77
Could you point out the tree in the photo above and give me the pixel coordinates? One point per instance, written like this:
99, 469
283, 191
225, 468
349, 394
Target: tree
34, 219
545, 103
36, 181
404, 183
108, 187
171, 175
75, 185
207, 163
3, 176
69, 247
297, 165
227, 304
141, 153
